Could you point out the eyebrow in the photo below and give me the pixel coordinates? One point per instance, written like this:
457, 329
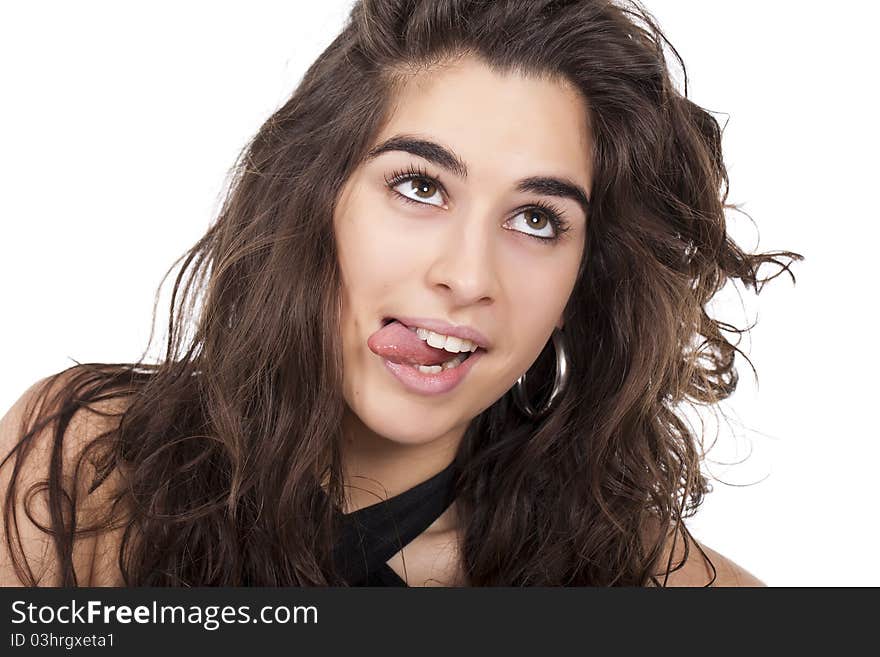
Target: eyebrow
446, 159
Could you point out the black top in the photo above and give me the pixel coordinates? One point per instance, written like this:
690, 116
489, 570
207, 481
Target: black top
372, 535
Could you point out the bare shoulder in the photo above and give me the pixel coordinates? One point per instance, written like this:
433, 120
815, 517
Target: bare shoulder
29, 550
702, 566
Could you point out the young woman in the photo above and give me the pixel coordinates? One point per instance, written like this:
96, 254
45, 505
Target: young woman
438, 335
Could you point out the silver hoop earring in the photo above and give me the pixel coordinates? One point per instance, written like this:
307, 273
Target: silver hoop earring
519, 388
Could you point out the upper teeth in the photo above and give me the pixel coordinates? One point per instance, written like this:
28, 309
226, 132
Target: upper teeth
447, 342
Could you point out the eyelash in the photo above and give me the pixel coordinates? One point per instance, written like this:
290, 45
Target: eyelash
554, 213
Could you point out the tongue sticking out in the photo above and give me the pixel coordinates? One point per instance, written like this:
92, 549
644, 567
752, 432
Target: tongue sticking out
400, 345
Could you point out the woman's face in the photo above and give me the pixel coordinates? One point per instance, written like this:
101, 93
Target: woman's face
461, 242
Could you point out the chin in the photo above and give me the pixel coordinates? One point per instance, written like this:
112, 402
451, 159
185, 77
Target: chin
416, 429
405, 423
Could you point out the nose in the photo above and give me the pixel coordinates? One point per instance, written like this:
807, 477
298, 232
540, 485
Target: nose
463, 263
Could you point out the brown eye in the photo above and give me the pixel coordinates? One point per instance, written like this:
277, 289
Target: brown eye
423, 187
417, 189
536, 219
545, 220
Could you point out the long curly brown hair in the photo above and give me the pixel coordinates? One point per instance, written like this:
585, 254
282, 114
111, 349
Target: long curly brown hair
219, 450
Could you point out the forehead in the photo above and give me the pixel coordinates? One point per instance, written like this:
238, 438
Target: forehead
496, 121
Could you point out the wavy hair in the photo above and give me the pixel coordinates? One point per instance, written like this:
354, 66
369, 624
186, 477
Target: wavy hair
222, 446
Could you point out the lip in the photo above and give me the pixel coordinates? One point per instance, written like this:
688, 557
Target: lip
432, 384
441, 326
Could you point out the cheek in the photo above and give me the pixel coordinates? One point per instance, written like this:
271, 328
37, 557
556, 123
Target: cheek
371, 256
540, 289
373, 262
379, 254
538, 297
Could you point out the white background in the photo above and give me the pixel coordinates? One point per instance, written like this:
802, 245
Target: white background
119, 122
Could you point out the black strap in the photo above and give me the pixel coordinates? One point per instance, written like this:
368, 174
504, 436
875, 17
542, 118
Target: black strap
372, 535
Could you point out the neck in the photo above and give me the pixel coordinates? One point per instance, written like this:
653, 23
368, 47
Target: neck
376, 468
